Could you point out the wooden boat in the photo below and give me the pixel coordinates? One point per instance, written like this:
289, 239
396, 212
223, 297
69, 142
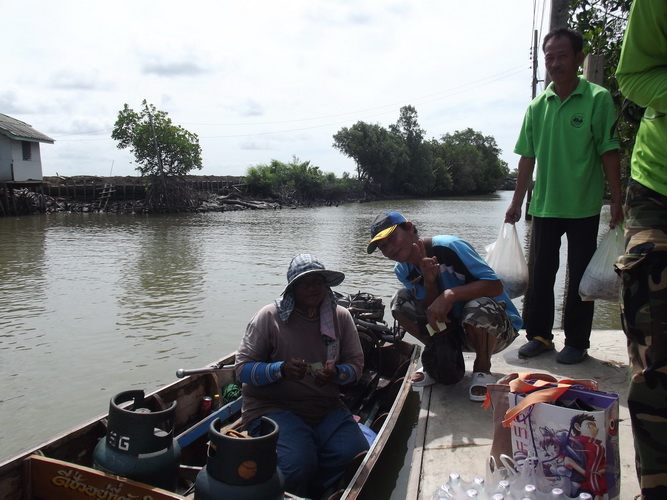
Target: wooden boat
63, 467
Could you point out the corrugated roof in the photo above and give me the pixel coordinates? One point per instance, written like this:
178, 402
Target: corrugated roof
21, 131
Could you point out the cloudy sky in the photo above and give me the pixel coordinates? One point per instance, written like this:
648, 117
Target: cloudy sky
258, 80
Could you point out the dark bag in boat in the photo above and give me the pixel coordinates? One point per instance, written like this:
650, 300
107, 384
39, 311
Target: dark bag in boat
442, 358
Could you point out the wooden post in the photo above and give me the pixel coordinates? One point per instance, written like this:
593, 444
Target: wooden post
594, 68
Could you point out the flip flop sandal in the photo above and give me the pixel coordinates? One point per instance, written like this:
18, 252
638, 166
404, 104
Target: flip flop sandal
425, 381
480, 379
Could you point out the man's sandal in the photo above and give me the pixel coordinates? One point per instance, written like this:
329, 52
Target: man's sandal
480, 379
424, 380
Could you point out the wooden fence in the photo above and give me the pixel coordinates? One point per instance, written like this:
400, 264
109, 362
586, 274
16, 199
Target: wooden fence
91, 190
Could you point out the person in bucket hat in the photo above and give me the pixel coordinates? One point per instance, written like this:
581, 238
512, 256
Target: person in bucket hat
449, 293
293, 358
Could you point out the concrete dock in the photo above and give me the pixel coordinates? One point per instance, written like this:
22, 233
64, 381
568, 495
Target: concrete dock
455, 434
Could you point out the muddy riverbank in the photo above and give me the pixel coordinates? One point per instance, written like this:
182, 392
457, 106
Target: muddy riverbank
87, 194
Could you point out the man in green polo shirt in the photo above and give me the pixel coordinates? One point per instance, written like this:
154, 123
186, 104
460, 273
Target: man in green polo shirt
568, 133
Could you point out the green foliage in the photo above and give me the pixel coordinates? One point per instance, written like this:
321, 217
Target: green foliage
602, 24
297, 181
164, 154
414, 174
473, 161
467, 162
159, 147
375, 151
348, 186
442, 178
399, 160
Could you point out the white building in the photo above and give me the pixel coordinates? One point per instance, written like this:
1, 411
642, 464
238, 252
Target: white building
20, 158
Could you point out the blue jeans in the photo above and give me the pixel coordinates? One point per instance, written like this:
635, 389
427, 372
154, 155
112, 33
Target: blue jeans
312, 458
539, 314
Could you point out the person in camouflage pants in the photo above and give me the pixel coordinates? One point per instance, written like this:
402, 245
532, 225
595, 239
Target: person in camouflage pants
642, 77
453, 289
644, 314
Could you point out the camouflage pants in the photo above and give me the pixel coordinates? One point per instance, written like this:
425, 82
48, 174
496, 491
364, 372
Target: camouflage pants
483, 313
644, 314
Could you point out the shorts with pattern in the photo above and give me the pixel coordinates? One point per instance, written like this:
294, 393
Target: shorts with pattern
483, 313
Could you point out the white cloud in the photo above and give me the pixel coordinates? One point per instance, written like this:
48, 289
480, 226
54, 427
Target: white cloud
262, 80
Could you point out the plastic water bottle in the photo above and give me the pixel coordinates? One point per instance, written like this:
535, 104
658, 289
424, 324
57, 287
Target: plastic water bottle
585, 496
452, 489
530, 492
503, 489
443, 492
472, 493
556, 494
479, 484
458, 486
454, 479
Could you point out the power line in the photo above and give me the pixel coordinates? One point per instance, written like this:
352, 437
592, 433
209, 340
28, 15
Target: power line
447, 93
391, 108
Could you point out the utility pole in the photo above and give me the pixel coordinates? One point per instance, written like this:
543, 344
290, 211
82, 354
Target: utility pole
560, 14
535, 80
534, 94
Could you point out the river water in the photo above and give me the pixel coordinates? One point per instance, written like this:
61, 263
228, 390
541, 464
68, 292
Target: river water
96, 304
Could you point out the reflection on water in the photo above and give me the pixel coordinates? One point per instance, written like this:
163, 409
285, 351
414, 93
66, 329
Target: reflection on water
161, 284
96, 304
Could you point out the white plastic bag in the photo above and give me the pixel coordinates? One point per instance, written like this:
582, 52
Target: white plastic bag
600, 281
505, 257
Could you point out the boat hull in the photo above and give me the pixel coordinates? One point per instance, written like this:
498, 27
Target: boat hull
63, 466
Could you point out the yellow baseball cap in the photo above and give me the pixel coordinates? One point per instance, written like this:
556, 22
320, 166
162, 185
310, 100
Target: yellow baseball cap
383, 225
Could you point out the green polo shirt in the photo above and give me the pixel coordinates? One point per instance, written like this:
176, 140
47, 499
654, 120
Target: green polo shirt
642, 76
567, 139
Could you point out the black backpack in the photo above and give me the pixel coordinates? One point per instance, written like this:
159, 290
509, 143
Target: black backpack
442, 358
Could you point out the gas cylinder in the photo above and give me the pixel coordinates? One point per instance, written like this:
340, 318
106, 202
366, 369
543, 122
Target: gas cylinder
139, 443
240, 467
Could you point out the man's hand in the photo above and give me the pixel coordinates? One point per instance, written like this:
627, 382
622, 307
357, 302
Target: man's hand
438, 311
327, 374
616, 213
295, 369
513, 213
428, 266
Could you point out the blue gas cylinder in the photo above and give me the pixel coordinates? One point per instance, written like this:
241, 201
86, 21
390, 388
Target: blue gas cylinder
139, 443
242, 468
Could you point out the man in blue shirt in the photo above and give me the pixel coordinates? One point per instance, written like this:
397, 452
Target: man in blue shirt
447, 287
